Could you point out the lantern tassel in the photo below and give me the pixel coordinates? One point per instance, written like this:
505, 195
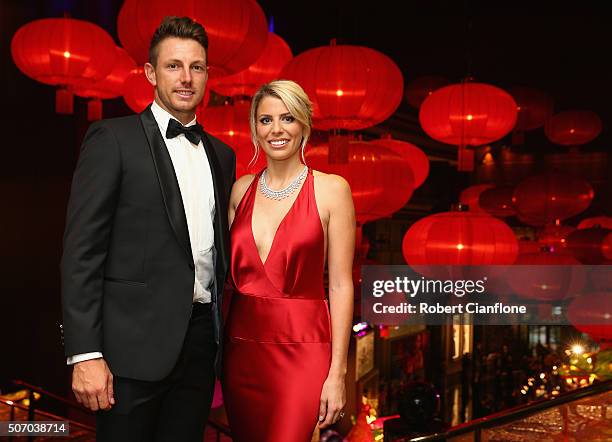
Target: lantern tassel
94, 109
465, 159
64, 100
338, 149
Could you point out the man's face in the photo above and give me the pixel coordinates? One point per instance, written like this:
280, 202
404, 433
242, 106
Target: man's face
179, 76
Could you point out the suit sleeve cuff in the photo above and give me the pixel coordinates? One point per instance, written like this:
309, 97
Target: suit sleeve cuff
71, 360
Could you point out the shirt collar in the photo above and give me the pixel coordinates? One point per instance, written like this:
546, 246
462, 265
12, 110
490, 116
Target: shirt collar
163, 117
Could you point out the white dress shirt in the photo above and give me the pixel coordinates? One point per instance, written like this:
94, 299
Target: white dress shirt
196, 185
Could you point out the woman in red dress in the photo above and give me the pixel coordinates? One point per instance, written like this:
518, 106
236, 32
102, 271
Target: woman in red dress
286, 341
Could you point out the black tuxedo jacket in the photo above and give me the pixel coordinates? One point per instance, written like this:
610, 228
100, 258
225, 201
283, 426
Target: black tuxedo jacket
127, 267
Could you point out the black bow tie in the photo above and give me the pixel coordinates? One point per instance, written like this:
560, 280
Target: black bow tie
192, 133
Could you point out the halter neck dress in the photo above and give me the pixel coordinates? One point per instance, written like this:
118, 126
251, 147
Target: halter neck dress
278, 334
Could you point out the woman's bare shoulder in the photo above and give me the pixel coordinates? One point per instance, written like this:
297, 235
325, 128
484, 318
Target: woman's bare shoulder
240, 187
244, 180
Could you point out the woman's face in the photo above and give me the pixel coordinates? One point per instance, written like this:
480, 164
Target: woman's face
279, 134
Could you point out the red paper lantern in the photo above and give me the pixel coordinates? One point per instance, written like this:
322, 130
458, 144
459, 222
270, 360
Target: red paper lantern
589, 245
138, 93
267, 68
601, 221
497, 201
592, 314
573, 128
351, 87
63, 52
543, 199
534, 108
551, 281
110, 86
420, 88
381, 181
459, 238
468, 114
470, 197
237, 29
230, 123
417, 159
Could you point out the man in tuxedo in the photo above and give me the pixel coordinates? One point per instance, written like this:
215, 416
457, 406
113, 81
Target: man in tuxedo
146, 249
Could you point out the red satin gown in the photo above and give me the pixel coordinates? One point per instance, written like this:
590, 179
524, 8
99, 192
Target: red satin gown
278, 336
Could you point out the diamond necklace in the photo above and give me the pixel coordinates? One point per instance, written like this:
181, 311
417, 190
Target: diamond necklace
283, 193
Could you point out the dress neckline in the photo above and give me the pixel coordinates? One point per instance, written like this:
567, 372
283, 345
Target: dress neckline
289, 211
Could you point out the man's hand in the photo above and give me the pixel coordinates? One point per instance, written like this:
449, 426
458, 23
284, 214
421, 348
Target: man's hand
92, 384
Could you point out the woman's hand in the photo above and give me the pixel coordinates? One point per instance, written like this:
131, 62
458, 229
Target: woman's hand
333, 399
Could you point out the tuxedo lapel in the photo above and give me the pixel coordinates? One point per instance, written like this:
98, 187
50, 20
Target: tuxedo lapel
220, 221
167, 180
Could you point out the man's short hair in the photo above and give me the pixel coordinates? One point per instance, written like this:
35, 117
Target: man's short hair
181, 27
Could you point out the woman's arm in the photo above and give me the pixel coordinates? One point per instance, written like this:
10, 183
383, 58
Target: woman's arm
341, 248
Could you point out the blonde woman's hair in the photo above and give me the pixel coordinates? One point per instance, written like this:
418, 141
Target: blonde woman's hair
297, 102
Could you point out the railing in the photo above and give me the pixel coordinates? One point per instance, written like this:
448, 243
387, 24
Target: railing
43, 414
32, 412
34, 389
476, 427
